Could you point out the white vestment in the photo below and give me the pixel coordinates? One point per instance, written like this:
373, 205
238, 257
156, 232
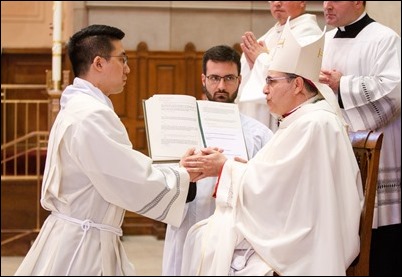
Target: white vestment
92, 176
370, 90
297, 203
256, 136
251, 99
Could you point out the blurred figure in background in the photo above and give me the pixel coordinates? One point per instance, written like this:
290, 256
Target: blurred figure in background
257, 55
362, 65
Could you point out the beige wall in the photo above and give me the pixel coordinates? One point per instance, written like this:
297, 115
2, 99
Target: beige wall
163, 25
28, 24
386, 12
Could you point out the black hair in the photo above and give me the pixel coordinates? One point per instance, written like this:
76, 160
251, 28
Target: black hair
221, 53
92, 41
308, 84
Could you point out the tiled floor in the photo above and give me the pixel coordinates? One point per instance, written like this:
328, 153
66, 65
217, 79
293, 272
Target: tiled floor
145, 252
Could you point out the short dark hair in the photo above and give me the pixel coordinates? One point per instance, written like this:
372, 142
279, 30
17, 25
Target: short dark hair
86, 44
308, 84
221, 53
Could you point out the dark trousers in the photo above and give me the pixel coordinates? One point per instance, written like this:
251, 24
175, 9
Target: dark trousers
385, 256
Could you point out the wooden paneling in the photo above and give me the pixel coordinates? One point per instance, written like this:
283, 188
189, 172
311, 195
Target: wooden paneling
21, 216
154, 72
167, 72
25, 66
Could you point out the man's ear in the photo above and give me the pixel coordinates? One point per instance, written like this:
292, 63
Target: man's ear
98, 63
203, 79
299, 83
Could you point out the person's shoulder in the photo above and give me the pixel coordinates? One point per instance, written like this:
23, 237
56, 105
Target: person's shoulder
249, 120
306, 18
319, 113
305, 24
382, 30
86, 108
84, 101
250, 123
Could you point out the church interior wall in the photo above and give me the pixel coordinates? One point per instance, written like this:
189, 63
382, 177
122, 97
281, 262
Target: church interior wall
163, 25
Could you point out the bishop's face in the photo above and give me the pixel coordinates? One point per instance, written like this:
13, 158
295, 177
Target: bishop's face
280, 92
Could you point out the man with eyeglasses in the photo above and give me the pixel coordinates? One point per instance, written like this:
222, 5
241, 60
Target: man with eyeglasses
220, 79
92, 174
362, 65
294, 208
257, 55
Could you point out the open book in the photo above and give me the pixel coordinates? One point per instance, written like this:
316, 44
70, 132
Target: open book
175, 123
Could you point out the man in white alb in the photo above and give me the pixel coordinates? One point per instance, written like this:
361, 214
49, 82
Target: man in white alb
362, 65
220, 78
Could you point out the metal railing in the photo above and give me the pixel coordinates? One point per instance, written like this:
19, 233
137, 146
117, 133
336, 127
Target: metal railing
24, 139
28, 111
24, 131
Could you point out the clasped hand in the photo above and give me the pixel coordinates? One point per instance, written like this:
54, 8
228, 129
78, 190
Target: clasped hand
252, 48
206, 162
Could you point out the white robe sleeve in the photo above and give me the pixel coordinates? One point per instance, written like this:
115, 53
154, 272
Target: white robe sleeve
99, 145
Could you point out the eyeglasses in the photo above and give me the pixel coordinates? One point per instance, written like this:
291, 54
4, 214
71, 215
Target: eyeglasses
271, 80
123, 58
228, 79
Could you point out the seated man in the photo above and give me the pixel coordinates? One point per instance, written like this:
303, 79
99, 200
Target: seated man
294, 208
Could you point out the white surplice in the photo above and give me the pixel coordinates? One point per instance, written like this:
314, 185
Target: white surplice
256, 135
297, 203
370, 89
92, 176
251, 99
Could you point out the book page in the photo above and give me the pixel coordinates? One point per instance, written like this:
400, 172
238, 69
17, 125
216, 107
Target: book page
172, 126
221, 127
